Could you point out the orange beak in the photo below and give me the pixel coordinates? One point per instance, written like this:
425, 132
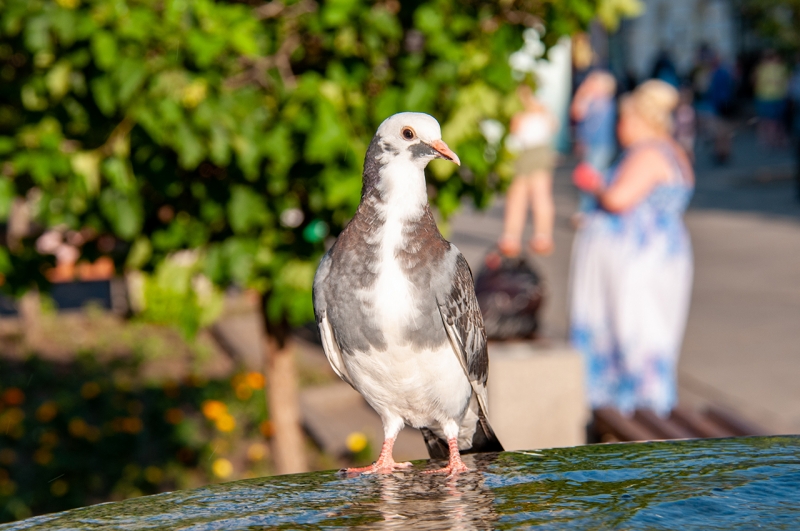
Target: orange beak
445, 151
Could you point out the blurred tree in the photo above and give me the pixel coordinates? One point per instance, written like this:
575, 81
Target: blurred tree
206, 144
777, 21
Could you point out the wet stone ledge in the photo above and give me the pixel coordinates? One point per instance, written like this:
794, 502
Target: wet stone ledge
742, 483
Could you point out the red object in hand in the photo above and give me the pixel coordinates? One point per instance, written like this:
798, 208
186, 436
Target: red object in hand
586, 177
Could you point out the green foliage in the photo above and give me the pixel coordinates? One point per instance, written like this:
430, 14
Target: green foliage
176, 125
777, 22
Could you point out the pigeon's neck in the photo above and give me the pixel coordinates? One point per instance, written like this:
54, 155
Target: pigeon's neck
393, 182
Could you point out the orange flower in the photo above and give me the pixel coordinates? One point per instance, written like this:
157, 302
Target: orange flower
266, 429
214, 409
173, 415
243, 391
13, 396
132, 425
255, 380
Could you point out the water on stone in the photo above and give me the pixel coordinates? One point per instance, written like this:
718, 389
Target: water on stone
725, 484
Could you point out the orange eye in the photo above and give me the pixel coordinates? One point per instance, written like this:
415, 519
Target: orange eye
408, 133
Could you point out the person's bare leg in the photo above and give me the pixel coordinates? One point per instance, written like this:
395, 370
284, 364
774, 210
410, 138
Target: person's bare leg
541, 190
515, 215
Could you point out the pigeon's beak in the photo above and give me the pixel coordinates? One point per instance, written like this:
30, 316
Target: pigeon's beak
445, 151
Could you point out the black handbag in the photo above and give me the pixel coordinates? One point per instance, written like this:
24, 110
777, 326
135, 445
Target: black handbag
510, 294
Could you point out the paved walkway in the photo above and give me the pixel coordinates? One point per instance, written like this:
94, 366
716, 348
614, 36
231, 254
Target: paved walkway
742, 344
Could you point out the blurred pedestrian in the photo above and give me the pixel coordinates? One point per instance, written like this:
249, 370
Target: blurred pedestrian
595, 113
632, 261
532, 132
686, 122
664, 69
720, 97
794, 100
770, 85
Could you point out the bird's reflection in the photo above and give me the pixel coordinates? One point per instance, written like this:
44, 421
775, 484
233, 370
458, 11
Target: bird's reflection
419, 501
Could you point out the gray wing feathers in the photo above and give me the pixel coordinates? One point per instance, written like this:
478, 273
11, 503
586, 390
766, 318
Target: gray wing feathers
329, 344
463, 322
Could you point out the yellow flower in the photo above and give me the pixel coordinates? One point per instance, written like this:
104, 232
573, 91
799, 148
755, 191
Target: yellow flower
256, 451
214, 409
68, 4
59, 487
77, 427
356, 442
90, 390
7, 456
47, 412
194, 94
49, 439
153, 474
226, 423
222, 468
7, 487
42, 456
11, 417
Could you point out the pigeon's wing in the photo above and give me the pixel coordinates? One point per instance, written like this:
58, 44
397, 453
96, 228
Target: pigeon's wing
329, 344
463, 322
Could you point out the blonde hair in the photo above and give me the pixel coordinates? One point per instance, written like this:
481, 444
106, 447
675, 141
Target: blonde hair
653, 101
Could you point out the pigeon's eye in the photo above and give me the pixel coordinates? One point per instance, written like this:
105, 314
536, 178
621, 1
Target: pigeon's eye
408, 133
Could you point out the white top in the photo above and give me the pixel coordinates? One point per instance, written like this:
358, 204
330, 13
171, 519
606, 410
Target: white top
535, 129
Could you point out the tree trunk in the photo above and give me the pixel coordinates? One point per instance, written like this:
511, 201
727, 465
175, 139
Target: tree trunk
30, 317
288, 442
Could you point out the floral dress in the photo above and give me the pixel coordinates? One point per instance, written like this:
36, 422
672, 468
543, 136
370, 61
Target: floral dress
631, 283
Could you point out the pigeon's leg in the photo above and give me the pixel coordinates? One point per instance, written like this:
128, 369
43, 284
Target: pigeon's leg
385, 463
455, 464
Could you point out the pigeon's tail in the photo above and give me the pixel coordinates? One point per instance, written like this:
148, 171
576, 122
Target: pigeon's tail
484, 440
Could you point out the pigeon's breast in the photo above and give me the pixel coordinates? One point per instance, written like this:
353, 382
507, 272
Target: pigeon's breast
402, 297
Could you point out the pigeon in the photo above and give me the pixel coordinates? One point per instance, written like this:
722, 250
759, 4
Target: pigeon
396, 308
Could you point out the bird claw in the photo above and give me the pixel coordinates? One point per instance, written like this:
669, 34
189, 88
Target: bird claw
376, 468
452, 469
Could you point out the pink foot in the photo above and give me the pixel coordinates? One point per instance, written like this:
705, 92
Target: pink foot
384, 465
455, 466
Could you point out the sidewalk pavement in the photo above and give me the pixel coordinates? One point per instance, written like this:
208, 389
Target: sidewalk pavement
742, 343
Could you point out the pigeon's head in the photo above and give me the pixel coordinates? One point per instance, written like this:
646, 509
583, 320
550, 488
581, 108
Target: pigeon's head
414, 136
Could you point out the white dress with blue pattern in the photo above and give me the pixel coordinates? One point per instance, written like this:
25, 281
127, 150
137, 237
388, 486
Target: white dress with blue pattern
631, 284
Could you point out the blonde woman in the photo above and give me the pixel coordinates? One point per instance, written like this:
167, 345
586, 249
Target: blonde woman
632, 261
532, 133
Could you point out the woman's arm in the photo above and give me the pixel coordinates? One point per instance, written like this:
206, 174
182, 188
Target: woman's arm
638, 175
513, 127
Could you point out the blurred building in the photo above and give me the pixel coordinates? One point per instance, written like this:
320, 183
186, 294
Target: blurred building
676, 28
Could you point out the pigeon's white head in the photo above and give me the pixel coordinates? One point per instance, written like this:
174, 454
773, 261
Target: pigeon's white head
412, 137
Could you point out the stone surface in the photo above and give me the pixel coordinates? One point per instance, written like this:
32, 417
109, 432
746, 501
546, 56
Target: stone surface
731, 484
537, 397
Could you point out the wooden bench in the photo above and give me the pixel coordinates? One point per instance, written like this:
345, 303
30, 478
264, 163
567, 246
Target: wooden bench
609, 425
